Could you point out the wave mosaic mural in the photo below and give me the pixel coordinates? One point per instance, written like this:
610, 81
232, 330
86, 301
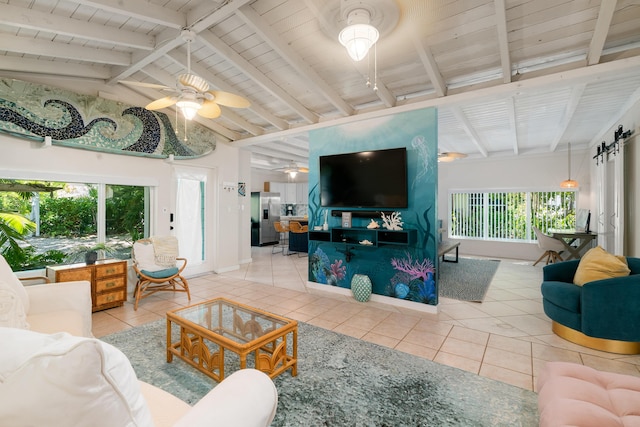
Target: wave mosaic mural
33, 112
399, 264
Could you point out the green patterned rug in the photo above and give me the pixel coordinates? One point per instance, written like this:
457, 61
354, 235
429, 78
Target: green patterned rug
466, 280
343, 381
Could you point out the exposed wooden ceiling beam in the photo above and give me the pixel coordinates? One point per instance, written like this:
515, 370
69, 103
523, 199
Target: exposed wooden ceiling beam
560, 79
503, 40
39, 47
214, 43
173, 39
40, 21
469, 129
316, 83
605, 15
55, 68
569, 111
142, 10
513, 129
429, 63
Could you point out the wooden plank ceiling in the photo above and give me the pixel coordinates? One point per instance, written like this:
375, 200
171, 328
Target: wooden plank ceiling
509, 77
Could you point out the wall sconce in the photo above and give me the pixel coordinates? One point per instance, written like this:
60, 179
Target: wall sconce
604, 149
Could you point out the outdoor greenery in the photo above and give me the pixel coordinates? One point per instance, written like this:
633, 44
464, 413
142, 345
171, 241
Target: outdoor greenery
73, 217
511, 215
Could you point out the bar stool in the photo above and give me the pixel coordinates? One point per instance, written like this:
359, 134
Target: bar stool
283, 237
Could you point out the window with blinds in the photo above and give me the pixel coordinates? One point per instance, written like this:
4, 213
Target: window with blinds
509, 216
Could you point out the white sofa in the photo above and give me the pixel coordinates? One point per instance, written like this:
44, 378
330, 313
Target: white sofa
55, 307
60, 380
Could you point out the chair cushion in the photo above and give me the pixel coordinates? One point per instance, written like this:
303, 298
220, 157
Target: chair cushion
8, 276
12, 313
161, 274
598, 264
62, 380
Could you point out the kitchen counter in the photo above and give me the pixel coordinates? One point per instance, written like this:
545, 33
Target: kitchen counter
294, 218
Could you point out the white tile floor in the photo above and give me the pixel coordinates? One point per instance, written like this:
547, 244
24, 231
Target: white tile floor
507, 337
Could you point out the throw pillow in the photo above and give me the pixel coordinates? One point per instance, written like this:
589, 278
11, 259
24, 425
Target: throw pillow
145, 257
60, 380
599, 264
8, 276
12, 313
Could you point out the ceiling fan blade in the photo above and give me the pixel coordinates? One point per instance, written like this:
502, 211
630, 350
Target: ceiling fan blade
303, 170
229, 99
161, 103
209, 110
142, 84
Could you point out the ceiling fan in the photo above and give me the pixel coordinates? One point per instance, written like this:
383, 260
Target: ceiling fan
450, 156
191, 93
293, 169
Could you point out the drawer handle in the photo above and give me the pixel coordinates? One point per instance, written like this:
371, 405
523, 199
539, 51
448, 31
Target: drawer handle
111, 298
110, 270
109, 284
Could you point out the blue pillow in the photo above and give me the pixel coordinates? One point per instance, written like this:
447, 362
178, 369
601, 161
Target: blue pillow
161, 274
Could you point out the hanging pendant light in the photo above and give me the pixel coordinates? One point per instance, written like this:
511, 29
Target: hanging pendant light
569, 183
358, 36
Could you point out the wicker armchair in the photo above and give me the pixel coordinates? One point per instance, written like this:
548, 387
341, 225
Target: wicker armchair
156, 265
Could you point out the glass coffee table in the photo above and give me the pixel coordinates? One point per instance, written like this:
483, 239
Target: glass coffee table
209, 328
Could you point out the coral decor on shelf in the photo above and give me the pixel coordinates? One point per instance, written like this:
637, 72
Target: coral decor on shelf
393, 221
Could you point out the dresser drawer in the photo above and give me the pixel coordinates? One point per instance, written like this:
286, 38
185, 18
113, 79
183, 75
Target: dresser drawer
110, 284
73, 275
111, 269
110, 298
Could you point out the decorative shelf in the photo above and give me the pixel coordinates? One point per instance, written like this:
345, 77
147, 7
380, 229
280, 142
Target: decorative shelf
377, 236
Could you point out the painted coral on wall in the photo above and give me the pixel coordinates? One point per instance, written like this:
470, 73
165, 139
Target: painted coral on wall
403, 271
33, 112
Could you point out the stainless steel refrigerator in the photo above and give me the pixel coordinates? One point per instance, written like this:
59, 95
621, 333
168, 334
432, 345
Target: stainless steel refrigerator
265, 210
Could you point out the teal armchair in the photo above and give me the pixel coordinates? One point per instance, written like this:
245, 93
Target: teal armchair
603, 314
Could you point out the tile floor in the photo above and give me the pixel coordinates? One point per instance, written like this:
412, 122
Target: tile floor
507, 337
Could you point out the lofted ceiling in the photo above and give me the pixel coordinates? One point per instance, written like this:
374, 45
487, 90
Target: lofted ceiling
509, 77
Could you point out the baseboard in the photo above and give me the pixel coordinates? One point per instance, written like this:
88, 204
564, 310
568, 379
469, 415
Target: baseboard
377, 299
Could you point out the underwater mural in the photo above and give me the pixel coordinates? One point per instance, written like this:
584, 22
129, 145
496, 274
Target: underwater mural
403, 270
33, 112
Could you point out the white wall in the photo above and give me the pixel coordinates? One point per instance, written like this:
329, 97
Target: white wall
22, 159
539, 172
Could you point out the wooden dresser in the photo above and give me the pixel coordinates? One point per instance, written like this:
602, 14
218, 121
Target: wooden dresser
108, 280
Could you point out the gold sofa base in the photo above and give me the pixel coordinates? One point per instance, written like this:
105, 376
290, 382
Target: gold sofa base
611, 346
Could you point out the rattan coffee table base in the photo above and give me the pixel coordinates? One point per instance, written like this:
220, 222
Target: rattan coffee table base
226, 325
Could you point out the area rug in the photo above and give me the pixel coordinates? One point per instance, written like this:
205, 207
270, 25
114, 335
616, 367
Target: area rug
466, 280
343, 381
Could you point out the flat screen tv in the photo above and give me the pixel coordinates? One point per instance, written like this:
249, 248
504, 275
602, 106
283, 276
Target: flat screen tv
367, 179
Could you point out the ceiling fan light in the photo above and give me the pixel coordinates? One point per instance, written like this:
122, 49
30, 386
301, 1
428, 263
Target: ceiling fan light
358, 36
292, 174
189, 108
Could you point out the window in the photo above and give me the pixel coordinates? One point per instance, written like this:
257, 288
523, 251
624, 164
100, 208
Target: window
65, 219
509, 216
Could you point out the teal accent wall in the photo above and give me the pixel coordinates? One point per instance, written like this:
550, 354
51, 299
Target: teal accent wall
399, 271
